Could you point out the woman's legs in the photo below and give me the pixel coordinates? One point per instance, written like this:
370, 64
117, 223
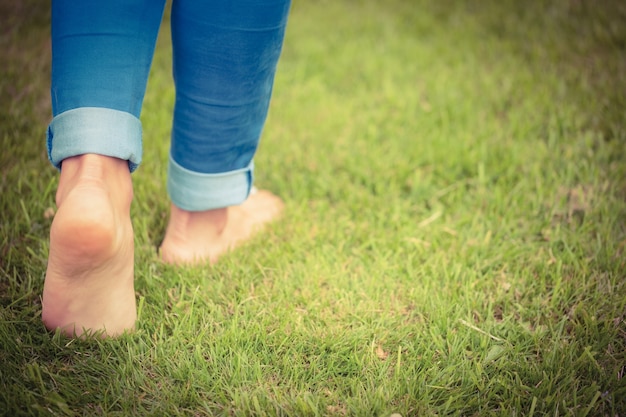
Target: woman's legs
101, 58
225, 57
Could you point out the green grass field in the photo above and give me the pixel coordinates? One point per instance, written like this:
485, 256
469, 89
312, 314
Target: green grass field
454, 241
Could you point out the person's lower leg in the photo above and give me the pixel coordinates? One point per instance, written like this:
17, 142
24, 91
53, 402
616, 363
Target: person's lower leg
101, 55
223, 92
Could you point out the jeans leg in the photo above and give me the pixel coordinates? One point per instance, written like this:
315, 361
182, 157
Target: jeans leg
101, 56
225, 57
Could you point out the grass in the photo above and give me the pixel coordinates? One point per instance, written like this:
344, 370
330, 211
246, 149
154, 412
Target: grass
453, 243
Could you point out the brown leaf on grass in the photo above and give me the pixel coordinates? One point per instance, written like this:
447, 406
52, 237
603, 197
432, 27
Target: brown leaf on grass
579, 199
578, 202
337, 410
380, 352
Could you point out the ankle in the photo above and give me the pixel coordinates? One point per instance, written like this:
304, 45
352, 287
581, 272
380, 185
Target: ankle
183, 220
92, 170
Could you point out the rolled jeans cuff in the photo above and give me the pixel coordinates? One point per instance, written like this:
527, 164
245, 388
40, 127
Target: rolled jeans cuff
95, 130
195, 191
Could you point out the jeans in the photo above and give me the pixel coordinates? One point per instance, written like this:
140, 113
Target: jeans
225, 54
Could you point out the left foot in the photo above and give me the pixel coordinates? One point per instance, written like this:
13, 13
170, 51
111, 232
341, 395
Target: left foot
199, 236
89, 281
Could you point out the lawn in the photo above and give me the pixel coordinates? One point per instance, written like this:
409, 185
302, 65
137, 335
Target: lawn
454, 241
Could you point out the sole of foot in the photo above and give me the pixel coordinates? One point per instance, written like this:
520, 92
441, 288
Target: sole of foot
89, 284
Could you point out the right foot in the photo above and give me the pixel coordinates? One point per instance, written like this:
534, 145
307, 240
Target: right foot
194, 237
89, 280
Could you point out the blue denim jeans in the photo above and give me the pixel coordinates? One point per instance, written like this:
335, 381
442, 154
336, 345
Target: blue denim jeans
225, 57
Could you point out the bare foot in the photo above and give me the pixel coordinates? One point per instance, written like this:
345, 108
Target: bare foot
89, 281
195, 237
